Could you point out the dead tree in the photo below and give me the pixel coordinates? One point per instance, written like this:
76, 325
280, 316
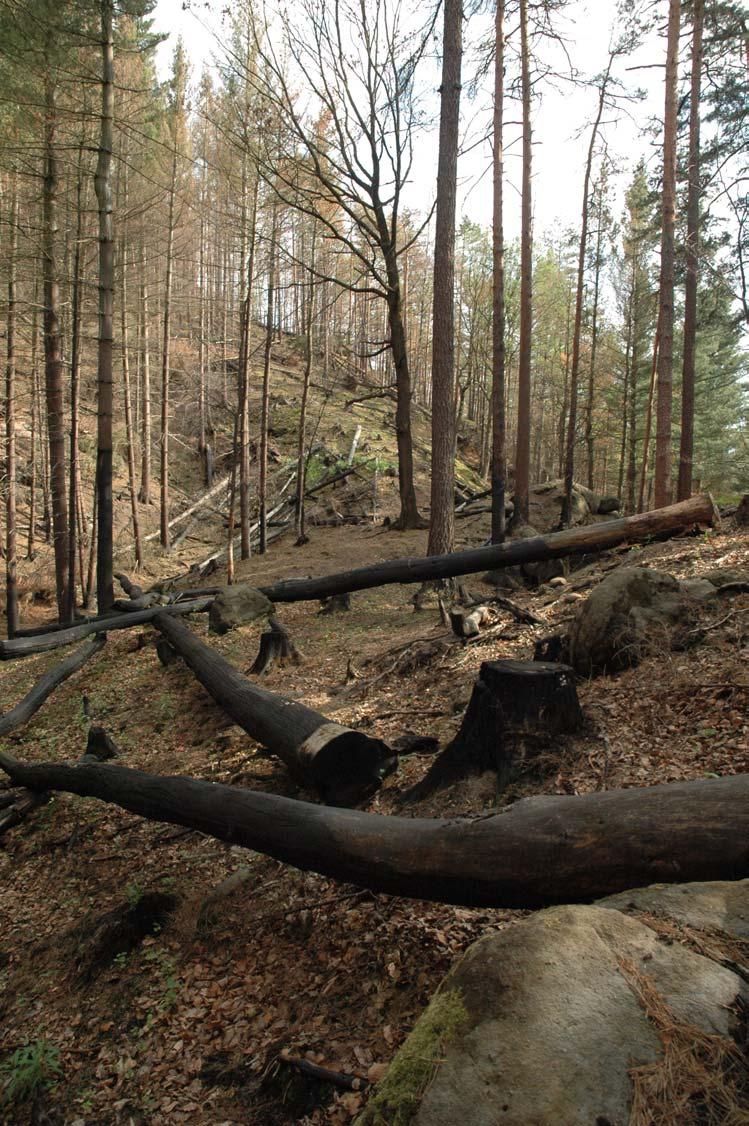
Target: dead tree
344, 766
539, 851
516, 707
275, 646
45, 642
46, 684
675, 519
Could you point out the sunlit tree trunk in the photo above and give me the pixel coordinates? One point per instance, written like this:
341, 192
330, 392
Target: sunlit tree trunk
11, 578
499, 453
662, 477
691, 251
523, 437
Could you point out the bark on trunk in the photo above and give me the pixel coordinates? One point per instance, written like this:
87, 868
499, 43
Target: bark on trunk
11, 579
102, 183
499, 453
669, 521
662, 482
53, 349
263, 453
442, 520
145, 453
539, 851
523, 438
344, 766
691, 251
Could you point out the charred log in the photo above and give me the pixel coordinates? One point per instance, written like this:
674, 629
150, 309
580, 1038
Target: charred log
344, 766
516, 707
662, 522
46, 684
26, 646
539, 851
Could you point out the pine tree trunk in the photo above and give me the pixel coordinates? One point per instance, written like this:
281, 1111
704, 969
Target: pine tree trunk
301, 459
442, 522
145, 453
129, 432
11, 580
499, 452
104, 563
244, 383
166, 359
75, 382
263, 453
35, 413
662, 479
53, 351
589, 441
523, 437
691, 251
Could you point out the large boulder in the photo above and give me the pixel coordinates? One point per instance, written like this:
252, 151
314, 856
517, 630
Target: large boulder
717, 905
541, 1024
633, 610
236, 606
545, 504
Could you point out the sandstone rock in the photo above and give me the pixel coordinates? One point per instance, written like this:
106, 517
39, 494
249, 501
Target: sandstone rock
236, 606
632, 610
720, 905
539, 1025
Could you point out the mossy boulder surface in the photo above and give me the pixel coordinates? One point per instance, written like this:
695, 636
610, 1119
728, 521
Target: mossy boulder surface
541, 1024
236, 606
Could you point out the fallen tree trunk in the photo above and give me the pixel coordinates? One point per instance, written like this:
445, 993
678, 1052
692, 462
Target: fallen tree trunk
539, 851
342, 765
46, 684
44, 643
645, 526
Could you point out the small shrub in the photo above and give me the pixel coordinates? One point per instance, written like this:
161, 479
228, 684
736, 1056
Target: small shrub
32, 1068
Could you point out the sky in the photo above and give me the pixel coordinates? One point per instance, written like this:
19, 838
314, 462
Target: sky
562, 115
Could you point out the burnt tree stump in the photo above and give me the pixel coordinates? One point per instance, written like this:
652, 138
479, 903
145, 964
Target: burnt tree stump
516, 708
275, 645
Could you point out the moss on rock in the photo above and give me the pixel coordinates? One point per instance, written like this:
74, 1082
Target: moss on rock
396, 1098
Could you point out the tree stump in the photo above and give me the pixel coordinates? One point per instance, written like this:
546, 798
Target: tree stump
336, 603
275, 645
166, 653
517, 707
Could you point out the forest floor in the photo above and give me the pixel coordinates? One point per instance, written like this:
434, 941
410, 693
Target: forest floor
190, 1025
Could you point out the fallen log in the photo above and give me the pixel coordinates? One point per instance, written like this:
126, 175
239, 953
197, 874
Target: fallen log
682, 517
539, 851
46, 684
44, 643
342, 765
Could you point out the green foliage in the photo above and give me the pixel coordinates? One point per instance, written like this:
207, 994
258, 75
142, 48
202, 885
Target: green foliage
397, 1097
32, 1068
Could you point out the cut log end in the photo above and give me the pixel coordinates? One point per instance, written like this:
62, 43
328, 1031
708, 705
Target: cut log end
347, 766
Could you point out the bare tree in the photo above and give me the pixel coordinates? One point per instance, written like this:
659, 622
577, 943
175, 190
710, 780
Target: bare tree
442, 523
359, 63
11, 582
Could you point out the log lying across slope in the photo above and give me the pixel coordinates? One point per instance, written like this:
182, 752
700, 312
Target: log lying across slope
46, 684
55, 639
668, 521
342, 765
540, 851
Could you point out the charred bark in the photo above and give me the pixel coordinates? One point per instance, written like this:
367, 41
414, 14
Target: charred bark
539, 851
343, 766
516, 707
677, 518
